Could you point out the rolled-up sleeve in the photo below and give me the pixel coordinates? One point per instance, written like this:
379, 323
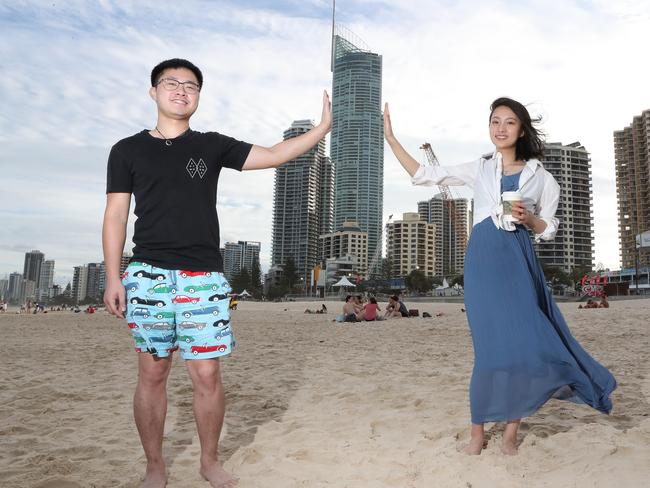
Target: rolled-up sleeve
547, 207
456, 175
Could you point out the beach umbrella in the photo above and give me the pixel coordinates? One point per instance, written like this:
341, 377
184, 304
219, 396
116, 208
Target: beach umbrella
245, 294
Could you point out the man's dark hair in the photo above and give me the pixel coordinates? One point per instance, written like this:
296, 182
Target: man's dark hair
347, 298
172, 64
531, 144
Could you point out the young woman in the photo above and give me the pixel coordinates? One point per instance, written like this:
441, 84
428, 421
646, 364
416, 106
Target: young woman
524, 353
369, 311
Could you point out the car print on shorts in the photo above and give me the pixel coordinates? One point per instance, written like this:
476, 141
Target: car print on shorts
223, 333
133, 286
141, 273
163, 288
132, 325
201, 311
186, 299
184, 338
146, 301
200, 349
158, 326
202, 287
191, 325
167, 338
221, 323
185, 273
217, 297
138, 264
141, 312
139, 339
164, 315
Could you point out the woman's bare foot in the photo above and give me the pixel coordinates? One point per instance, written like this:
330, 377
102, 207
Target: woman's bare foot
156, 477
474, 447
217, 476
509, 444
509, 447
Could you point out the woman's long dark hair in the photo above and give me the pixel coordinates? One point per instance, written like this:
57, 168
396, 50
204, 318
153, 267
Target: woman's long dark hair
531, 144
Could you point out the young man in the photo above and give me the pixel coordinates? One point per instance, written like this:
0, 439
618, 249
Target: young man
176, 296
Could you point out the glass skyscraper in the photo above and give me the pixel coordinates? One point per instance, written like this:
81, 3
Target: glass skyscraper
357, 139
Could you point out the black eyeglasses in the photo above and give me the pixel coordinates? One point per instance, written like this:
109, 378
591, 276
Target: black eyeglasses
171, 84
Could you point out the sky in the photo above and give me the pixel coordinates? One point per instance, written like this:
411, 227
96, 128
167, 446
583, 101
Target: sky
75, 76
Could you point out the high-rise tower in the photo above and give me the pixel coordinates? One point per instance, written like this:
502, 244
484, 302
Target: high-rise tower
301, 205
632, 154
32, 268
357, 138
573, 245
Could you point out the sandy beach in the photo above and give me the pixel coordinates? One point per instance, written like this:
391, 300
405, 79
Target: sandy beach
312, 403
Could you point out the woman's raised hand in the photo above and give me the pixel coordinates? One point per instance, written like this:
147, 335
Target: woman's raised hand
388, 126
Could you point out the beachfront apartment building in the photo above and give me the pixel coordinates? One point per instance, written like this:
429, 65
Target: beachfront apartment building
124, 261
302, 205
349, 240
79, 283
95, 280
32, 268
573, 245
453, 227
632, 164
411, 245
45, 288
239, 255
357, 137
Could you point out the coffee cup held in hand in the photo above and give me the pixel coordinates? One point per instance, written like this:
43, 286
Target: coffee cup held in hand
508, 198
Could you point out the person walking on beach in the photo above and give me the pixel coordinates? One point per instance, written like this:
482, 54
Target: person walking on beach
176, 296
524, 353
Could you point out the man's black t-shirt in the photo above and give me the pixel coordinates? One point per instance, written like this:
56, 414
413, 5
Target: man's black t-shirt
175, 190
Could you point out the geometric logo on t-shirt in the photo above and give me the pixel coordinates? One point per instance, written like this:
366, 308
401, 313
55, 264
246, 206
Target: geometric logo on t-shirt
193, 168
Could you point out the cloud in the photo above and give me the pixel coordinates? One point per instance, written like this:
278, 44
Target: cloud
77, 74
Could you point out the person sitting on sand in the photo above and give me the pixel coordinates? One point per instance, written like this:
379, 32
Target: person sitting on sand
369, 311
233, 303
321, 310
396, 308
590, 304
603, 302
350, 309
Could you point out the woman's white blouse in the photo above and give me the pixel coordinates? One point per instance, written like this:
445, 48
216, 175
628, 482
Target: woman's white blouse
540, 191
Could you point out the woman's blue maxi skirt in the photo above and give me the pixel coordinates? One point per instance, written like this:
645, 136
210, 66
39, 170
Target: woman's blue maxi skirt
524, 351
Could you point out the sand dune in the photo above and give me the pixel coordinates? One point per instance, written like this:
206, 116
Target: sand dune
312, 403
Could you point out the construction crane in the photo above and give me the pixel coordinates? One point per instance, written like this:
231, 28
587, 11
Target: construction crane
449, 201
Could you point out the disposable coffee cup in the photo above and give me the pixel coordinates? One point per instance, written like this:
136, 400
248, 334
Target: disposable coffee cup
507, 198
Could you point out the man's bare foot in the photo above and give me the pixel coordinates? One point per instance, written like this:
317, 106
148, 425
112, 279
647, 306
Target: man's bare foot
509, 447
217, 476
156, 477
474, 447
